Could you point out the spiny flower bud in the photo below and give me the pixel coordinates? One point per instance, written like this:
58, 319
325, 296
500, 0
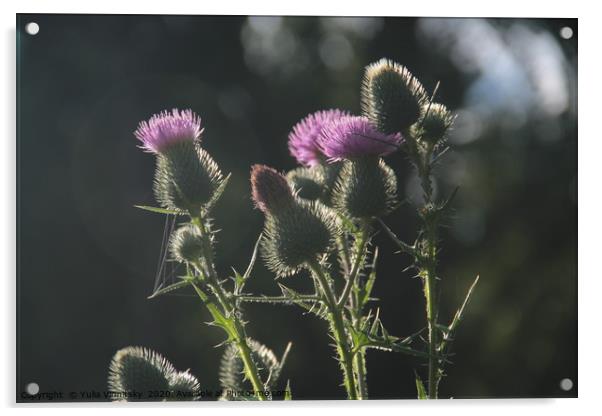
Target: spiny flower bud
435, 123
301, 233
392, 97
184, 386
355, 137
141, 370
270, 190
366, 188
186, 244
186, 177
303, 139
306, 182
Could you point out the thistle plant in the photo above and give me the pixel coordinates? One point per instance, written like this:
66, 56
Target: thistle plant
188, 183
323, 212
395, 101
319, 222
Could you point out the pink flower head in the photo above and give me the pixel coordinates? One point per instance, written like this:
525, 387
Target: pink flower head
165, 129
352, 137
303, 139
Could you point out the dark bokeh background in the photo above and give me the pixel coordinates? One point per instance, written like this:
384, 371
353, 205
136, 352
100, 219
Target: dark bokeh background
87, 258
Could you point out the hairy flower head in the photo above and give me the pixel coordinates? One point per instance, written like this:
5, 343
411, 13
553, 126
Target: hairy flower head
303, 139
142, 370
391, 96
166, 128
270, 190
354, 137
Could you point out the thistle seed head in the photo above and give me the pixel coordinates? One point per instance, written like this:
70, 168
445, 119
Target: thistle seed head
365, 188
270, 190
392, 97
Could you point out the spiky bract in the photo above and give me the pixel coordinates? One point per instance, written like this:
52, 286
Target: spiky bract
392, 97
365, 188
183, 387
137, 369
307, 183
435, 123
186, 177
300, 234
186, 244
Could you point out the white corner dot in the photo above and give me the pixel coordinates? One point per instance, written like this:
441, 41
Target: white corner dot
566, 384
32, 28
32, 389
566, 32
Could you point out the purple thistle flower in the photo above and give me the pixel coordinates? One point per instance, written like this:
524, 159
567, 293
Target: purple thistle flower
353, 136
303, 139
165, 129
270, 190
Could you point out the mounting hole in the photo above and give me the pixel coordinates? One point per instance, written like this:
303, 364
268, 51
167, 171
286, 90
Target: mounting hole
566, 384
32, 389
566, 33
32, 28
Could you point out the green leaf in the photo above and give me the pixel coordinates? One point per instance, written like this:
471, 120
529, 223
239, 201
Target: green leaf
288, 393
158, 210
459, 315
366, 290
420, 388
171, 288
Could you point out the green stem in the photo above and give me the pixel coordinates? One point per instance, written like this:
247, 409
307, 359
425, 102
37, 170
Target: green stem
359, 364
338, 329
237, 330
428, 274
431, 314
351, 279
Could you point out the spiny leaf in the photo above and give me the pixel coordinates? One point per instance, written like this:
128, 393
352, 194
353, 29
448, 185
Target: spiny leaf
420, 388
366, 290
288, 393
175, 286
158, 210
459, 314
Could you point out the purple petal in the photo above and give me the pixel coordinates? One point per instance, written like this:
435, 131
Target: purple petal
352, 137
164, 129
303, 139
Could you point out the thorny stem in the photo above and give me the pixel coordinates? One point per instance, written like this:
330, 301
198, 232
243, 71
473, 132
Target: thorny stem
428, 274
237, 331
359, 359
338, 328
351, 279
